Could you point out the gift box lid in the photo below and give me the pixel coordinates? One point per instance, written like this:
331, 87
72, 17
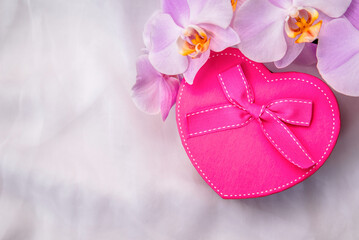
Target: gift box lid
251, 133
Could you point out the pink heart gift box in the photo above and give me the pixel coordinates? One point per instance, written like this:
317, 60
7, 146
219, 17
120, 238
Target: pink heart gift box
251, 133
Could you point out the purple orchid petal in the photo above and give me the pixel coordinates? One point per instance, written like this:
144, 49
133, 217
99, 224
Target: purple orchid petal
154, 92
164, 54
194, 66
338, 56
308, 56
168, 94
164, 31
221, 38
214, 12
147, 31
353, 13
240, 2
325, 18
146, 90
179, 11
333, 8
293, 51
260, 25
285, 4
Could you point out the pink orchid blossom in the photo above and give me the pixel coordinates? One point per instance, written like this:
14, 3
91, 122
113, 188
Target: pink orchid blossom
338, 52
278, 30
154, 92
179, 38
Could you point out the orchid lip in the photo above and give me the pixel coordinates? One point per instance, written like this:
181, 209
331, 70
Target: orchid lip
301, 24
193, 41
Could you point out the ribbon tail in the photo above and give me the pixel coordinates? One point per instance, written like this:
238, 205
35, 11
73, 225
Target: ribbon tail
215, 119
285, 141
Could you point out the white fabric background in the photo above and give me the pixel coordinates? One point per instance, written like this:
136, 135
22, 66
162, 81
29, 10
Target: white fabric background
79, 161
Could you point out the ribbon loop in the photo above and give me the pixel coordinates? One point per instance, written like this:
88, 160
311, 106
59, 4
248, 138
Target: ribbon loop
242, 109
293, 111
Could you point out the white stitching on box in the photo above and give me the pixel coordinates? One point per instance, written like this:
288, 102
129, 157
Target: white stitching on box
269, 81
209, 110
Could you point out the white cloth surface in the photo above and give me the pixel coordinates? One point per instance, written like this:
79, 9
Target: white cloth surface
78, 160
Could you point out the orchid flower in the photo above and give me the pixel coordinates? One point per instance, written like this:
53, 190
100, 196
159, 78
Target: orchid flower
179, 38
154, 92
338, 52
278, 30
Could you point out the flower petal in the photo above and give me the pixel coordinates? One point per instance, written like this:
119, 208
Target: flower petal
194, 66
338, 56
169, 61
285, 4
164, 31
147, 31
164, 54
353, 13
168, 94
333, 8
220, 38
153, 92
214, 12
179, 11
308, 56
293, 51
260, 25
146, 90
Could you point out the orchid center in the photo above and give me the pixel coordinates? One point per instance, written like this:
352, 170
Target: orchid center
193, 42
303, 22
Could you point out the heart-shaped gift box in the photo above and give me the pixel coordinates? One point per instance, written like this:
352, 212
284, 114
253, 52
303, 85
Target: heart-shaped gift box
251, 133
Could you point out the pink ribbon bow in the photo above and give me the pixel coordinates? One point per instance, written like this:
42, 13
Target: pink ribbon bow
272, 117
